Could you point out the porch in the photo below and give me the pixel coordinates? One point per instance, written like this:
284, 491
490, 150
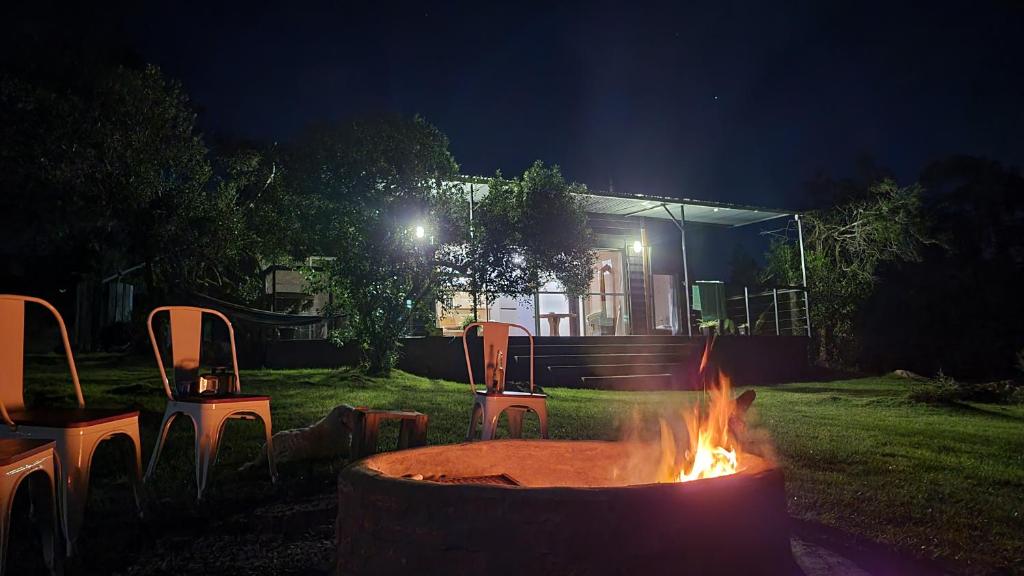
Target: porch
642, 279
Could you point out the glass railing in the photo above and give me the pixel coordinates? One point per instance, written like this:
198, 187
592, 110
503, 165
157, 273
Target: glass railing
778, 311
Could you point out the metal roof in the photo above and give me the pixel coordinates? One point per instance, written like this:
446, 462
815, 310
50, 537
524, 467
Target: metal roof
700, 211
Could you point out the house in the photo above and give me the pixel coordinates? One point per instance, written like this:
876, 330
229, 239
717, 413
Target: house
639, 324
642, 283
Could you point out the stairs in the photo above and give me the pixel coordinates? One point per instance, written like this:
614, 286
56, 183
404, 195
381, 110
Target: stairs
605, 362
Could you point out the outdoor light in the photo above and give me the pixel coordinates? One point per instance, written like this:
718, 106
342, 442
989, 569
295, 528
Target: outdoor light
638, 247
420, 232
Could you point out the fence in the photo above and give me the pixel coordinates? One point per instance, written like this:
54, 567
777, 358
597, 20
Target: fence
780, 311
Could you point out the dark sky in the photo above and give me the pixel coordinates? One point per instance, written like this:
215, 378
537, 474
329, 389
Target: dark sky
714, 100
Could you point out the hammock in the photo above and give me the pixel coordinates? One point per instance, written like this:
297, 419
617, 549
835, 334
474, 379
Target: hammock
256, 316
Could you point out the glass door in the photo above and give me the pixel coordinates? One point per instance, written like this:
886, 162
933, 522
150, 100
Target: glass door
557, 313
604, 305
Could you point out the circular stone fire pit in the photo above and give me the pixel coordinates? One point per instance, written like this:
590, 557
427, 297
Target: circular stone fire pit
554, 507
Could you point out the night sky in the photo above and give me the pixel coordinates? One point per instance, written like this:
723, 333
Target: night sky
714, 100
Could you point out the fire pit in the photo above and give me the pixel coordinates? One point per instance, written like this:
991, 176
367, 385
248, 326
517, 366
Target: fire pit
556, 507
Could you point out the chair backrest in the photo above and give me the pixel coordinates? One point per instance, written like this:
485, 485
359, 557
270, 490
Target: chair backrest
495, 354
186, 340
12, 352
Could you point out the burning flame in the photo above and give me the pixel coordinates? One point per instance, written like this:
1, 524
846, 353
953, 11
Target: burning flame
712, 449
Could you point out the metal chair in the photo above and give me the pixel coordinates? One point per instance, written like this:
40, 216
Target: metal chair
208, 414
488, 404
33, 461
76, 431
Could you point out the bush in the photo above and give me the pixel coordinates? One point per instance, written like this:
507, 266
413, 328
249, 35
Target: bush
946, 390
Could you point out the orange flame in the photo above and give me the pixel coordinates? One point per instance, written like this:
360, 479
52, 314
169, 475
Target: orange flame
711, 451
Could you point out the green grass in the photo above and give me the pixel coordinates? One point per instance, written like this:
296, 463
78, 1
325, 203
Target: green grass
939, 482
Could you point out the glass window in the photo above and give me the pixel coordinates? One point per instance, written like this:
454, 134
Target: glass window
450, 321
666, 315
513, 311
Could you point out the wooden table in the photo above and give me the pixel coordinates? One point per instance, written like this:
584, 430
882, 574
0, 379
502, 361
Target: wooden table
366, 427
555, 320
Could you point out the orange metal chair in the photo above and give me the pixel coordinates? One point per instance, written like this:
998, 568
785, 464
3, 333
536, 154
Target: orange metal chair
209, 414
76, 431
488, 404
34, 461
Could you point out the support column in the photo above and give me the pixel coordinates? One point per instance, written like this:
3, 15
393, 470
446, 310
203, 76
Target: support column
746, 308
681, 224
273, 289
475, 295
803, 272
645, 267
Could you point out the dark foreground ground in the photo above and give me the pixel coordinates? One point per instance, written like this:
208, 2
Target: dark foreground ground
877, 484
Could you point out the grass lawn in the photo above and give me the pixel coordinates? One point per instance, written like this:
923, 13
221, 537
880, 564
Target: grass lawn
938, 482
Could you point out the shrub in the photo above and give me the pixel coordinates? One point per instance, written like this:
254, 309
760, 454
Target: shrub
947, 390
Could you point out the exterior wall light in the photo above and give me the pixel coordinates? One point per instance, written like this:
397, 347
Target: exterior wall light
638, 247
420, 232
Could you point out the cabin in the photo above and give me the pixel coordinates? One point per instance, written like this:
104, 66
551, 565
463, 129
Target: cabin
641, 323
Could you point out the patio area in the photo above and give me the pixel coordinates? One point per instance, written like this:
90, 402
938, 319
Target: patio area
869, 473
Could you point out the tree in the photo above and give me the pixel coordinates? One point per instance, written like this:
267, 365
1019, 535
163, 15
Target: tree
394, 226
525, 232
959, 309
375, 183
113, 173
744, 270
270, 221
844, 247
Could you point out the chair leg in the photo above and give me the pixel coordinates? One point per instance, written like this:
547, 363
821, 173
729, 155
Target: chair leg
473, 415
515, 422
6, 497
542, 414
490, 419
161, 438
134, 462
268, 431
42, 490
207, 440
76, 464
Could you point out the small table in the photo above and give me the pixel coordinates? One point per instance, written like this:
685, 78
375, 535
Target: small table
555, 320
366, 425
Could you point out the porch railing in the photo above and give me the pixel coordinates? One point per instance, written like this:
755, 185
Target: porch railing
779, 311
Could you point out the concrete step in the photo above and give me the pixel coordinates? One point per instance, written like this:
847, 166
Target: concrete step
589, 370
634, 382
604, 348
541, 361
516, 340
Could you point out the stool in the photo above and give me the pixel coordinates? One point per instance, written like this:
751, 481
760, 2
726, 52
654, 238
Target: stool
366, 425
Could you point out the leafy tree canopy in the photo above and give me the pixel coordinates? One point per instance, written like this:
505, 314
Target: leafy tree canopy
526, 231
373, 183
844, 247
394, 222
107, 171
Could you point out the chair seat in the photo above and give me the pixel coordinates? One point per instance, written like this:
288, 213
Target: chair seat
70, 417
13, 450
512, 394
211, 399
